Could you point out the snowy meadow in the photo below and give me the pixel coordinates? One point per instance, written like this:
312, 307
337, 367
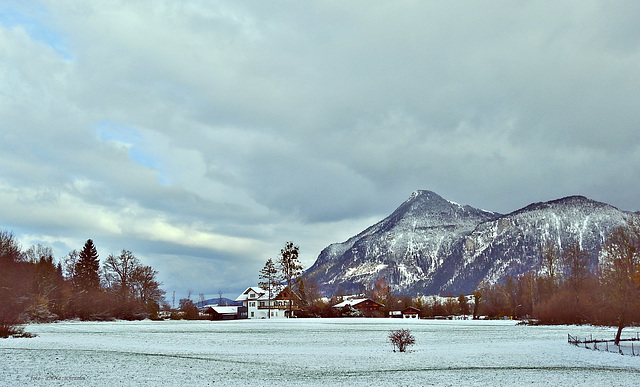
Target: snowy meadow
354, 352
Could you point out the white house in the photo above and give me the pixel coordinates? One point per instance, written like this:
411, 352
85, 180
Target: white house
260, 304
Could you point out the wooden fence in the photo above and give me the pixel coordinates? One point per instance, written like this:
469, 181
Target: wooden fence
627, 345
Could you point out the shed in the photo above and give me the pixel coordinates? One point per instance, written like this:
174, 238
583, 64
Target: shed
410, 312
223, 312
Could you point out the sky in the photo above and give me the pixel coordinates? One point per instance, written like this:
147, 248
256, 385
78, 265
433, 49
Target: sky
203, 135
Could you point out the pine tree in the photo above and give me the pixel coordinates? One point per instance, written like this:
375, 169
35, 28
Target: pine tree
87, 270
268, 279
290, 267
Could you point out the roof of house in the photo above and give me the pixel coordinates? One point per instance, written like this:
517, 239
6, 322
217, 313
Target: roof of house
252, 289
225, 309
354, 302
261, 294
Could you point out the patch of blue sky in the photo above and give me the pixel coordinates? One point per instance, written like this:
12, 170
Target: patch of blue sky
136, 143
35, 20
120, 133
141, 157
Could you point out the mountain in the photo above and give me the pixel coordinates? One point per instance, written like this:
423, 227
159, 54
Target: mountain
430, 245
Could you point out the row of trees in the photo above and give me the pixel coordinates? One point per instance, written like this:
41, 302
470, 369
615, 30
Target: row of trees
568, 293
35, 288
564, 291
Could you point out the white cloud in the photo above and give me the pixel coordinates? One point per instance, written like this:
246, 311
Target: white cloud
212, 132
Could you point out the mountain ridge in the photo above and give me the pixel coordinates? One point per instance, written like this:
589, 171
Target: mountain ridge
430, 245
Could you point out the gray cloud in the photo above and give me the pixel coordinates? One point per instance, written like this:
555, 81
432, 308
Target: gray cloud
203, 135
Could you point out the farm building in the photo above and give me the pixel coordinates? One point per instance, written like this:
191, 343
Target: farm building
367, 306
226, 312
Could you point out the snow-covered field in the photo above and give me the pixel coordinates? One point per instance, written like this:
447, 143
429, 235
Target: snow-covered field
353, 352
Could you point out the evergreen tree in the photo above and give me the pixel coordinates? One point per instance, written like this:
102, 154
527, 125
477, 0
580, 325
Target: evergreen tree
87, 270
268, 280
290, 267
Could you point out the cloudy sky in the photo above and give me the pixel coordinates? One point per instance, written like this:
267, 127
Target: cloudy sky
203, 135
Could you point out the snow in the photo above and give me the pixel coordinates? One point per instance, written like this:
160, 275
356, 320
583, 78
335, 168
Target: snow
353, 352
366, 268
351, 302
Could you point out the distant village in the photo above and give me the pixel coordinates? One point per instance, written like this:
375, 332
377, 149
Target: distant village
258, 303
284, 293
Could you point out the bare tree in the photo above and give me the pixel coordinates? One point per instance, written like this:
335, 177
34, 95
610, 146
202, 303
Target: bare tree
307, 291
134, 286
36, 252
477, 298
15, 283
145, 285
401, 339
69, 264
463, 305
621, 276
381, 291
576, 272
189, 309
550, 255
119, 272
575, 266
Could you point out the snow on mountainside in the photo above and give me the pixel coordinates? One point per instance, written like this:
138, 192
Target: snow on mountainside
430, 245
406, 247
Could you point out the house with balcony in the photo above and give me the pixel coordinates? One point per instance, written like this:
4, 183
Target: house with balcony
261, 304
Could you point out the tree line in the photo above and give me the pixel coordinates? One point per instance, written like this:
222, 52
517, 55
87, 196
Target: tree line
567, 292
35, 288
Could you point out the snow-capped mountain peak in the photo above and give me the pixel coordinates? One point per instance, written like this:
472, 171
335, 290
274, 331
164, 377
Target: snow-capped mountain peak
430, 245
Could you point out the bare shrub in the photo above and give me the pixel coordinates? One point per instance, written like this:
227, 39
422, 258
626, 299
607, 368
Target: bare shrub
401, 339
7, 331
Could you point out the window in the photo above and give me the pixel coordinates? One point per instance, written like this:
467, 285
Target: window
252, 314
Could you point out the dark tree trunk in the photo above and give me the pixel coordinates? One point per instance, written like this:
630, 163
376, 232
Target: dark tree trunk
617, 340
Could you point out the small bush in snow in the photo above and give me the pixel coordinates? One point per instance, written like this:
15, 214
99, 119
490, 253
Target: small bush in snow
401, 339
